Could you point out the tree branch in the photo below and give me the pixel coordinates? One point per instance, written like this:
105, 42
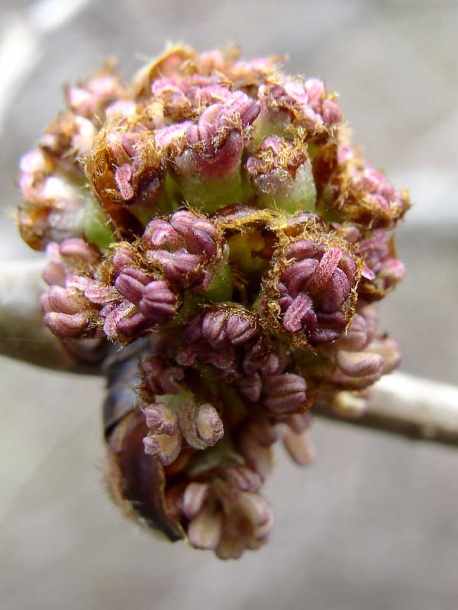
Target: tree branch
408, 406
399, 403
23, 336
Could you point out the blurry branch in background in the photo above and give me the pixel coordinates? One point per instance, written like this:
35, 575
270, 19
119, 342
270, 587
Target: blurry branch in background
23, 335
408, 406
400, 404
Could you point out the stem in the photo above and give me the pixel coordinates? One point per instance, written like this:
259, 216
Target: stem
23, 336
408, 406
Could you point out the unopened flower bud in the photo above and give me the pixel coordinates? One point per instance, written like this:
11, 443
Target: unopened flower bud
160, 419
208, 171
194, 498
316, 288
209, 425
166, 448
284, 393
204, 531
158, 303
93, 95
187, 248
68, 326
282, 175
131, 284
359, 364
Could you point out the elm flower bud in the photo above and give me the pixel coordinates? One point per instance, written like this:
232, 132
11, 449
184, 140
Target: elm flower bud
285, 393
91, 97
188, 250
126, 173
208, 171
315, 288
281, 173
386, 270
226, 514
179, 418
211, 226
349, 189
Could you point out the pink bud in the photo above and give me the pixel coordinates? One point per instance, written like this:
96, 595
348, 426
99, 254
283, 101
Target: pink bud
194, 498
68, 326
209, 425
131, 284
285, 393
359, 364
161, 419
64, 300
204, 530
165, 448
158, 303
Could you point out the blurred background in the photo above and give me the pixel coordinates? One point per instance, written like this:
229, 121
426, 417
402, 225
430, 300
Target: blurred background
373, 523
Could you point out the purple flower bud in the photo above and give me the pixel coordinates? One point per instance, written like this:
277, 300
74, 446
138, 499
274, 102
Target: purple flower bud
284, 393
359, 364
120, 318
286, 102
331, 112
257, 358
250, 386
68, 326
97, 293
198, 233
52, 207
228, 326
388, 349
161, 378
356, 337
214, 328
79, 250
122, 257
160, 419
62, 300
126, 172
130, 325
183, 247
131, 284
315, 288
379, 255
208, 170
300, 314
93, 95
367, 196
158, 303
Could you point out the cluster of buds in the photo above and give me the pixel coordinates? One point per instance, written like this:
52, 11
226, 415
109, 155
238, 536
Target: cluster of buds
211, 225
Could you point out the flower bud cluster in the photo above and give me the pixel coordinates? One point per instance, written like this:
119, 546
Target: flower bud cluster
212, 219
223, 510
312, 285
